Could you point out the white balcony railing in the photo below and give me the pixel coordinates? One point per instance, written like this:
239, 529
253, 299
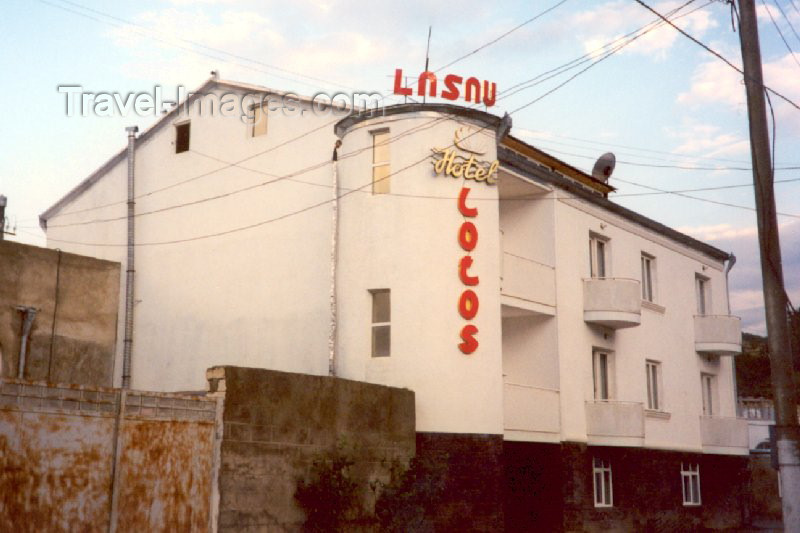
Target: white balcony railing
528, 280
531, 409
718, 432
719, 334
615, 422
612, 302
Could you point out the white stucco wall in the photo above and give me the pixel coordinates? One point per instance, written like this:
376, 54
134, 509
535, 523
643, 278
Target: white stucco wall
407, 242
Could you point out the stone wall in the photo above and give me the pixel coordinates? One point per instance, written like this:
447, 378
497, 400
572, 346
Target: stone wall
79, 294
277, 423
68, 462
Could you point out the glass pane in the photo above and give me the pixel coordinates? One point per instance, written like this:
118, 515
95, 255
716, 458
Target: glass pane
601, 259
603, 368
381, 306
598, 487
654, 377
607, 487
381, 341
686, 489
649, 387
695, 489
380, 179
380, 147
259, 121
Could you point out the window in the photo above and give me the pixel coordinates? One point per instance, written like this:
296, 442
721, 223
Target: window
690, 478
380, 162
654, 385
182, 138
598, 249
648, 277
600, 373
709, 385
701, 286
259, 121
603, 491
381, 327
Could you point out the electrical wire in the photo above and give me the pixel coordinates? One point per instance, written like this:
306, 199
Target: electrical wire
787, 19
783, 38
506, 34
716, 54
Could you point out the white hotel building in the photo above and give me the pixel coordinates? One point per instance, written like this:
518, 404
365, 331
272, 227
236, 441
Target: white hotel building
601, 391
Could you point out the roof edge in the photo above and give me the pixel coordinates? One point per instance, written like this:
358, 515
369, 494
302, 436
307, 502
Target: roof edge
399, 109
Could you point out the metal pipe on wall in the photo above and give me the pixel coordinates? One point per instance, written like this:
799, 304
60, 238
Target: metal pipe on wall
130, 266
334, 260
28, 315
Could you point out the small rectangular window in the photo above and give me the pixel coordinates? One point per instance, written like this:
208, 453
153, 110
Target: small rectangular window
701, 285
603, 489
259, 121
598, 251
182, 137
653, 385
690, 479
708, 384
381, 323
380, 162
600, 372
648, 277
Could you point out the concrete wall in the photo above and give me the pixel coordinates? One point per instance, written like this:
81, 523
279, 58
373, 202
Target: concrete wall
57, 460
276, 424
79, 293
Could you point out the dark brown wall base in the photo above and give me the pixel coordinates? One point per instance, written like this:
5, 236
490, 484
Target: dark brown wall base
472, 496
550, 488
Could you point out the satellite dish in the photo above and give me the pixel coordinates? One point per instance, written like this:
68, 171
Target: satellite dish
604, 167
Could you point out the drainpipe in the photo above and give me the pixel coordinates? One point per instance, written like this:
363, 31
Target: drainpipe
129, 273
28, 314
334, 260
728, 267
3, 203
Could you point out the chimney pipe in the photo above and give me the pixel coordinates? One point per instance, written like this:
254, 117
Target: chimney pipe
130, 270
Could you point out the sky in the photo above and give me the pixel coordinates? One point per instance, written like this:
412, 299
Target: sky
674, 115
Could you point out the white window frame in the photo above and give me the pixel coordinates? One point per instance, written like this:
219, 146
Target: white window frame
380, 324
655, 388
598, 256
602, 374
648, 278
708, 389
603, 483
383, 186
702, 291
690, 484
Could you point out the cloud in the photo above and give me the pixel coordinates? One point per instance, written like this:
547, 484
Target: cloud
746, 294
612, 20
709, 141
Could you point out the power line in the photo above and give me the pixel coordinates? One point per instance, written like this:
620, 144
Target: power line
787, 19
506, 34
785, 42
715, 53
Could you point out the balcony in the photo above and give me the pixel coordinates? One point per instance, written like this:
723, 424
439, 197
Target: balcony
612, 302
528, 285
615, 423
531, 413
724, 434
718, 334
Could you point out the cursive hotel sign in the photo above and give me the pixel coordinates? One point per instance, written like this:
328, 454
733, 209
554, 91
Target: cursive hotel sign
449, 162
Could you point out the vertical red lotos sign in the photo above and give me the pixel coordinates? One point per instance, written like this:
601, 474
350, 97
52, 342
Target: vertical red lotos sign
468, 301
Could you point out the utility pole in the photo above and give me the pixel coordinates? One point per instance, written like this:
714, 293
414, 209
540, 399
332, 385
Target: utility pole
775, 299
